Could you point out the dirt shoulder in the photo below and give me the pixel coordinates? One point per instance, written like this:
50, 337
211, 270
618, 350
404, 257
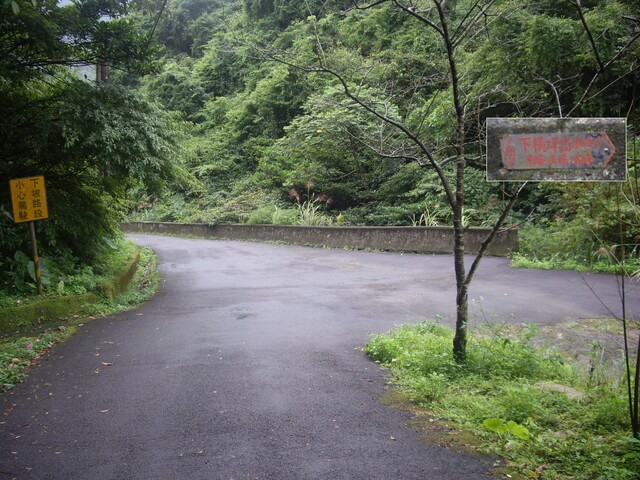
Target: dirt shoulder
594, 344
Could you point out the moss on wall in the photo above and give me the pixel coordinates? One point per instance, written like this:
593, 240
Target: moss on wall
24, 317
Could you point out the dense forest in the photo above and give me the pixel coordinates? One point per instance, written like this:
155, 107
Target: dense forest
308, 112
275, 139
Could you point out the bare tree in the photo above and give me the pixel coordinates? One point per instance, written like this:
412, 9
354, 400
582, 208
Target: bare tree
397, 139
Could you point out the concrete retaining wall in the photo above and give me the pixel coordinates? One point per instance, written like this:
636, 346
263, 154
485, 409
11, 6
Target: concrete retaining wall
406, 239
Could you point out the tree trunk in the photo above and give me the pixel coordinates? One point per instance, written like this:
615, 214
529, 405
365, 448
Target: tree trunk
462, 316
462, 304
460, 339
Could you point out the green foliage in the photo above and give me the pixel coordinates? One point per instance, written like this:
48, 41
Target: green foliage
143, 285
90, 144
501, 427
587, 231
176, 89
500, 397
268, 126
187, 25
262, 216
426, 349
273, 215
90, 140
537, 52
310, 213
42, 36
64, 275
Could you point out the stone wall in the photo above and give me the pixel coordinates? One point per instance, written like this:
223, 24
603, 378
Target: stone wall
404, 239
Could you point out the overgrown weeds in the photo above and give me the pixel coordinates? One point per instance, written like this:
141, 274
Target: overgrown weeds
571, 248
527, 404
62, 277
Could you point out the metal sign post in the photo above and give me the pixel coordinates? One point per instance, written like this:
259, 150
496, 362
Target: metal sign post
36, 260
29, 202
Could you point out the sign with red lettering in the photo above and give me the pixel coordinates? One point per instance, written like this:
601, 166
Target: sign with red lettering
29, 199
556, 149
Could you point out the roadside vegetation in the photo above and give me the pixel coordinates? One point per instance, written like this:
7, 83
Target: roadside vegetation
62, 276
590, 227
20, 350
196, 122
518, 397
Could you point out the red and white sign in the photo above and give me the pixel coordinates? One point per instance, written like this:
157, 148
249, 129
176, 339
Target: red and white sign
556, 150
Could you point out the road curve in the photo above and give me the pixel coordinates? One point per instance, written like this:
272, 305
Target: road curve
247, 365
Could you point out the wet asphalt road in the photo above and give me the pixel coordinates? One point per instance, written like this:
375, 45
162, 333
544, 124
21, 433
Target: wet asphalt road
247, 364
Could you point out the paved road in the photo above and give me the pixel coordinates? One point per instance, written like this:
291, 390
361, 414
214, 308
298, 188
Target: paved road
246, 365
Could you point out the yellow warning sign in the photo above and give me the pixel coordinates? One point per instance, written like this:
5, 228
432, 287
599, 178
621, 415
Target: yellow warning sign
29, 199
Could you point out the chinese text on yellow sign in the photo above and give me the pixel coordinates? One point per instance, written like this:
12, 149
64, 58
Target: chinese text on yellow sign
29, 199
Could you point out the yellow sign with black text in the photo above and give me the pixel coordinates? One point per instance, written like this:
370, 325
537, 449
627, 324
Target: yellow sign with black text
29, 199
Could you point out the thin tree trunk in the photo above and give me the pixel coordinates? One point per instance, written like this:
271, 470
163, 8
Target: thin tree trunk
462, 316
635, 424
460, 339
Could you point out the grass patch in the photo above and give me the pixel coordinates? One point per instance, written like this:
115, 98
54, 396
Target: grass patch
20, 351
632, 265
524, 403
143, 286
17, 354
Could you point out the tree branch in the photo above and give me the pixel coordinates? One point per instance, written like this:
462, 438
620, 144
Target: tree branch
555, 92
610, 84
458, 38
411, 10
589, 35
368, 6
621, 52
385, 118
494, 231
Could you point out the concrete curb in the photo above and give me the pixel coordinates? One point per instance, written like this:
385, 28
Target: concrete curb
112, 290
24, 317
398, 239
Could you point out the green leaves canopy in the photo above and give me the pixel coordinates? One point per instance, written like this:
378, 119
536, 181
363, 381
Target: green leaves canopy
90, 140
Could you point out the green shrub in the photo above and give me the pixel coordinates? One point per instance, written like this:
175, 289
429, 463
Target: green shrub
607, 410
501, 396
424, 350
262, 215
284, 216
512, 357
